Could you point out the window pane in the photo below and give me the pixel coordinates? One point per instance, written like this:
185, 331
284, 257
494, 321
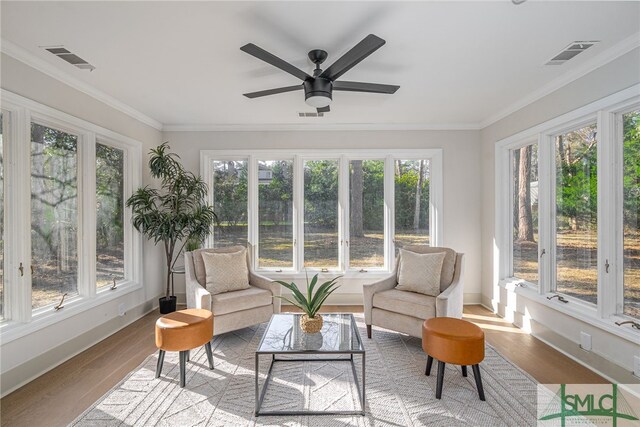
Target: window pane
109, 215
54, 215
275, 213
411, 203
1, 216
230, 203
321, 213
631, 213
576, 214
366, 213
525, 213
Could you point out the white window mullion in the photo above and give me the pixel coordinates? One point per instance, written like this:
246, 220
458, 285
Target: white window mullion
344, 234
298, 213
252, 208
87, 215
436, 200
546, 214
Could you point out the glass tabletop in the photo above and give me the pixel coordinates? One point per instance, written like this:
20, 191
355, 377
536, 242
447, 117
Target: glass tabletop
339, 334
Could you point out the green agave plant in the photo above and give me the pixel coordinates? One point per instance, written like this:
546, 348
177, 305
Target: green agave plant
311, 303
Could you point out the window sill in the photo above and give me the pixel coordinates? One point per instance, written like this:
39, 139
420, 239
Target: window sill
350, 274
47, 316
574, 309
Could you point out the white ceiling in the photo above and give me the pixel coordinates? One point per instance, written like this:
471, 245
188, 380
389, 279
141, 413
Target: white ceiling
456, 62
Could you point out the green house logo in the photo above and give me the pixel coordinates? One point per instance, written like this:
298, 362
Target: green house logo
586, 404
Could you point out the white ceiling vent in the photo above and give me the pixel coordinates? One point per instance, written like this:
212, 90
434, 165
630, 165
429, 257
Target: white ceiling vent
69, 57
570, 51
310, 114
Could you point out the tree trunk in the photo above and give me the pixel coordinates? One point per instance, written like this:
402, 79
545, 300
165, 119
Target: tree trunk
525, 223
416, 214
356, 214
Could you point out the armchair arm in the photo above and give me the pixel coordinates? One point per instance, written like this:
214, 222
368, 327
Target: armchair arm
197, 296
267, 284
369, 290
450, 302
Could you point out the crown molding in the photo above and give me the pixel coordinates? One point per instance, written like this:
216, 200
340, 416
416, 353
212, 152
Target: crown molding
570, 76
319, 127
43, 66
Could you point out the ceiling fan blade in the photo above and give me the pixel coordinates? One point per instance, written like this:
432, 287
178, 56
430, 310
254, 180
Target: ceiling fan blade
272, 91
270, 58
324, 109
366, 47
365, 87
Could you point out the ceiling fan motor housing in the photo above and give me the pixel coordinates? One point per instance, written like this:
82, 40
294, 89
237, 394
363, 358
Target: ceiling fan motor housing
317, 87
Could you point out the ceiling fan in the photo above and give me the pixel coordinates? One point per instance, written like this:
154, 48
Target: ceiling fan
318, 89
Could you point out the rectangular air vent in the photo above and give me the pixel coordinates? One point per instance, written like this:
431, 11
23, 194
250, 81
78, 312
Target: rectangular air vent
310, 114
570, 51
69, 57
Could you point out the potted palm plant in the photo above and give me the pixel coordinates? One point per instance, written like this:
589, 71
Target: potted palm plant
310, 322
174, 214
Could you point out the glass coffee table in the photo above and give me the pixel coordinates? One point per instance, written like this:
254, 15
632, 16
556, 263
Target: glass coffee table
284, 337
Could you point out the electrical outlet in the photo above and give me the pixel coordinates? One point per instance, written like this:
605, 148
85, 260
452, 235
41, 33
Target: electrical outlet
636, 366
585, 341
121, 310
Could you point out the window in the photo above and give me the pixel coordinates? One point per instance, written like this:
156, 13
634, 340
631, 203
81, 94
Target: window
275, 213
412, 202
338, 204
577, 213
230, 202
54, 214
321, 238
366, 213
525, 212
109, 215
67, 183
631, 212
581, 184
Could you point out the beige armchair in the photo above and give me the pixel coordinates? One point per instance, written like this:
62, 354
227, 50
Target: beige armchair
231, 310
405, 312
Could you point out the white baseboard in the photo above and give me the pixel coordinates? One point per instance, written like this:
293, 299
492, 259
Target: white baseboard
32, 369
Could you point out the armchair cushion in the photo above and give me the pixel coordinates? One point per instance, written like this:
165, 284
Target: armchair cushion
226, 272
231, 302
420, 272
448, 265
198, 262
407, 303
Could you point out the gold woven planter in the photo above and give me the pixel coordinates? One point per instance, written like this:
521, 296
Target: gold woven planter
311, 325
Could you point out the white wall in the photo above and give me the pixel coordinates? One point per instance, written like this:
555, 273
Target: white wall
560, 330
461, 165
29, 356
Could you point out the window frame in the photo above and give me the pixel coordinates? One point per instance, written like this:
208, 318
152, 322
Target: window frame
299, 156
609, 152
22, 319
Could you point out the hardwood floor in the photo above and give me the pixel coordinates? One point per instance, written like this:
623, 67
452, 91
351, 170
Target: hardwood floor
59, 396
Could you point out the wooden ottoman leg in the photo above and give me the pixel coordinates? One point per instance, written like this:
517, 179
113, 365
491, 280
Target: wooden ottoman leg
207, 347
160, 362
183, 363
464, 370
427, 372
476, 375
440, 379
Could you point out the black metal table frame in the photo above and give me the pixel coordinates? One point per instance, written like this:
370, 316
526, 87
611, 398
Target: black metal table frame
260, 394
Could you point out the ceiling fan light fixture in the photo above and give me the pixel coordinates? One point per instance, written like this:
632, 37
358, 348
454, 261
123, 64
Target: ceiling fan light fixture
318, 101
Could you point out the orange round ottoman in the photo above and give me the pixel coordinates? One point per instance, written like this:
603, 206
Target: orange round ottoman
182, 331
455, 341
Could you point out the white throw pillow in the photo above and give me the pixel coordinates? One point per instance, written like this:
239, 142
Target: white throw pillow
226, 272
420, 272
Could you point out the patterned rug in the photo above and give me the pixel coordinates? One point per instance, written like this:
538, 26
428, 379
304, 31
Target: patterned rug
397, 391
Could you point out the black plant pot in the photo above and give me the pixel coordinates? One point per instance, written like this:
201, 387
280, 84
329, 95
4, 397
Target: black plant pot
167, 305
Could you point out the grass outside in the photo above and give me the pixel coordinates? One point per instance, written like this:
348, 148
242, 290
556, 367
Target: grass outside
577, 272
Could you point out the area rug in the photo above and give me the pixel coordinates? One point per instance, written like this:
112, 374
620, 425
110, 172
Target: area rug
397, 391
